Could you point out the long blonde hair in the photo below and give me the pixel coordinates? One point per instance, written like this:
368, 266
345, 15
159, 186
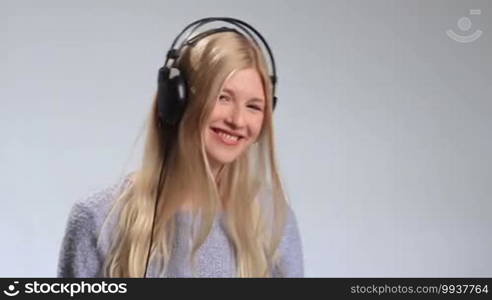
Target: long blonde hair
250, 186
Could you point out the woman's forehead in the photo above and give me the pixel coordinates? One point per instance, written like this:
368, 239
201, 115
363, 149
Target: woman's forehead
246, 82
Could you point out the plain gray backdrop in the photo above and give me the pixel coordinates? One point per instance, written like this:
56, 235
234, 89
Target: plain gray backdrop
382, 128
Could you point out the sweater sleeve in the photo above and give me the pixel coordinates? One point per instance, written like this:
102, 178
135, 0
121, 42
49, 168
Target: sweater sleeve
78, 255
291, 262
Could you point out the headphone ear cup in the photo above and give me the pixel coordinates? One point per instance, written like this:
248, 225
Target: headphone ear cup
162, 95
171, 95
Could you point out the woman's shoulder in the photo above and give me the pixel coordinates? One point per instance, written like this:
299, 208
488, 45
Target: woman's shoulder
80, 254
264, 198
94, 206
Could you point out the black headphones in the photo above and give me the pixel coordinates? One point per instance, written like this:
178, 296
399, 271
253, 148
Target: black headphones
172, 88
172, 85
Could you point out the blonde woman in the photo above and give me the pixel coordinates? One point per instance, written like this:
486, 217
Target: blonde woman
207, 199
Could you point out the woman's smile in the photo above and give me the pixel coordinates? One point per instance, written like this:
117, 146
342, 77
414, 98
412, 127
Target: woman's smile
227, 139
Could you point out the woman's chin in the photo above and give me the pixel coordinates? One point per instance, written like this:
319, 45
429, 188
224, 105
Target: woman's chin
223, 160
222, 156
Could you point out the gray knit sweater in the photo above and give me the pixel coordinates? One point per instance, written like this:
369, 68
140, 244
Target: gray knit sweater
81, 256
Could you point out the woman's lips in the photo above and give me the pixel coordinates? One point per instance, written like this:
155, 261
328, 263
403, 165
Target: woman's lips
222, 137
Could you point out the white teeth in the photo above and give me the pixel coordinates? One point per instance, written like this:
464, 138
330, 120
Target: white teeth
227, 136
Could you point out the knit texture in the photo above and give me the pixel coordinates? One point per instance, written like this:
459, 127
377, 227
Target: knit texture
81, 256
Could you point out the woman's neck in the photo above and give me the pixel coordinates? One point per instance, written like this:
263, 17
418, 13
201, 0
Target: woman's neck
216, 169
188, 203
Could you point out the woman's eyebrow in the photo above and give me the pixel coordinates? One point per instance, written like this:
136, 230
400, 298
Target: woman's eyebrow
256, 100
252, 99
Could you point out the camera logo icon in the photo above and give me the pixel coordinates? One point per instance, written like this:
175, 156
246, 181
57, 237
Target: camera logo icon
11, 290
464, 24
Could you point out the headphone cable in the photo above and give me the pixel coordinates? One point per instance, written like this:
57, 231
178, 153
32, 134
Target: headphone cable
159, 188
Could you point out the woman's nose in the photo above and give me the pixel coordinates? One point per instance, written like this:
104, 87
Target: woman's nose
236, 117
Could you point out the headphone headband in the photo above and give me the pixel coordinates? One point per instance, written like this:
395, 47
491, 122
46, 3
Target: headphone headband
174, 51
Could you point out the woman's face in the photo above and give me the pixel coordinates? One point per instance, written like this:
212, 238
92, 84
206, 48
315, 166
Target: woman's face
236, 119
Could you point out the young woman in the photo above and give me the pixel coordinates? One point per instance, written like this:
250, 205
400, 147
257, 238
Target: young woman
208, 188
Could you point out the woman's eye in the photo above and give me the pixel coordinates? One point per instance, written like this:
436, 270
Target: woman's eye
224, 97
255, 107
